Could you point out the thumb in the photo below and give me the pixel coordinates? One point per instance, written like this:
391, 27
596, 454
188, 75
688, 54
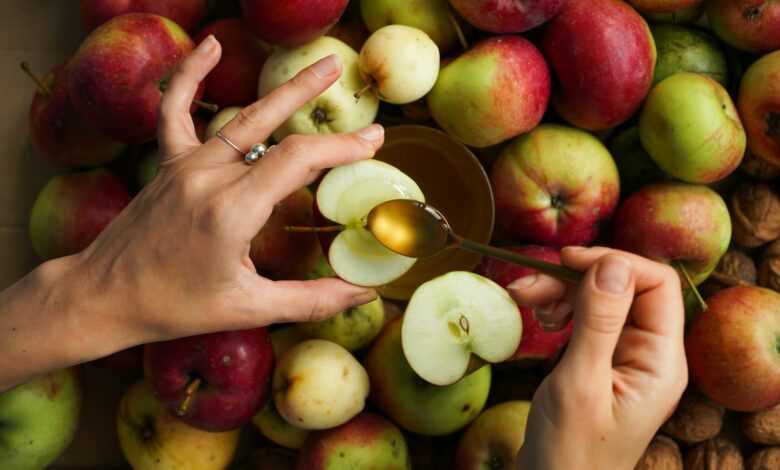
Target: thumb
297, 301
600, 313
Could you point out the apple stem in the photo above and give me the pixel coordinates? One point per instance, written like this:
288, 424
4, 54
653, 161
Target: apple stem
692, 286
363, 90
458, 30
42, 88
330, 229
190, 392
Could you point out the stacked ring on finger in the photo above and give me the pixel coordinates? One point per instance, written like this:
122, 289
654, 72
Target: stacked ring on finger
250, 158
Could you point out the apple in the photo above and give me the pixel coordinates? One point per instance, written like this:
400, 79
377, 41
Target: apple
595, 91
58, 133
536, 343
186, 13
750, 25
319, 385
72, 210
431, 16
635, 166
663, 6
682, 49
473, 93
269, 458
691, 129
684, 224
511, 16
233, 82
291, 23
400, 63
128, 361
118, 72
686, 16
335, 110
366, 441
277, 430
759, 107
148, 166
413, 403
345, 196
38, 420
555, 186
220, 120
732, 349
284, 339
493, 440
151, 437
351, 29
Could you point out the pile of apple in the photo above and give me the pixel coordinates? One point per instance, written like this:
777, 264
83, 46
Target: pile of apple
625, 123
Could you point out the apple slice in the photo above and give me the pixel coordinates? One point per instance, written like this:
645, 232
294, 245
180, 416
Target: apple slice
453, 316
346, 195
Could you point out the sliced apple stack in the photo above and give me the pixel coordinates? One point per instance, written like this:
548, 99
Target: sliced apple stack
454, 316
345, 196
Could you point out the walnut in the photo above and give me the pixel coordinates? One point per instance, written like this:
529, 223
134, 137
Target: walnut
715, 454
759, 168
734, 269
695, 420
755, 214
763, 427
662, 454
765, 459
769, 270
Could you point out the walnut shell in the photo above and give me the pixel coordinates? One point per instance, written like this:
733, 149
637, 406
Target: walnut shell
765, 459
715, 454
662, 454
769, 270
735, 268
755, 214
695, 420
763, 427
759, 168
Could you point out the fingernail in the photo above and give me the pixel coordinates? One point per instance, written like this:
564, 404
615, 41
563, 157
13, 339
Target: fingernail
364, 298
542, 314
207, 45
613, 275
524, 282
327, 66
371, 133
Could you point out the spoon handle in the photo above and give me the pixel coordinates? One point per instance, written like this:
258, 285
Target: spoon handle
559, 272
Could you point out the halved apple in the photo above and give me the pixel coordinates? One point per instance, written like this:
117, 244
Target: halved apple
454, 316
345, 196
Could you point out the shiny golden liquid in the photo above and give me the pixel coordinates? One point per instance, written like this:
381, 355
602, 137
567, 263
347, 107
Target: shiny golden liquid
409, 227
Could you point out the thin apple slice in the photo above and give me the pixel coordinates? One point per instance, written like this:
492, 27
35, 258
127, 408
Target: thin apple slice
454, 316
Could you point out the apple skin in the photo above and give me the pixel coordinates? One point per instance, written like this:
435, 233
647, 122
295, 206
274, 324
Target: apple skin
580, 188
151, 437
596, 92
116, 74
366, 441
536, 344
277, 430
413, 403
186, 13
292, 22
635, 166
235, 368
732, 348
682, 49
512, 16
352, 329
233, 82
759, 107
493, 440
673, 221
60, 135
38, 420
72, 210
746, 24
506, 83
663, 6
431, 16
685, 16
691, 129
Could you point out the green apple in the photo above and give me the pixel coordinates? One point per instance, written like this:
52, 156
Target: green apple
38, 420
277, 430
220, 120
635, 166
415, 404
152, 438
682, 49
493, 440
319, 385
335, 110
353, 328
431, 16
690, 127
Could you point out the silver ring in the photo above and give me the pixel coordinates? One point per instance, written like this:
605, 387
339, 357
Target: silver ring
230, 143
257, 152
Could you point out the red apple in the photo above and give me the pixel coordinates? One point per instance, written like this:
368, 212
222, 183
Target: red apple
732, 348
57, 131
214, 382
72, 210
750, 25
759, 107
234, 81
537, 344
118, 72
507, 16
663, 6
291, 22
186, 13
604, 56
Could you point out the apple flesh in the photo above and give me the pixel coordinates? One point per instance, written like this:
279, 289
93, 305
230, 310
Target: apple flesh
691, 129
345, 196
759, 107
512, 16
555, 186
214, 382
750, 25
493, 440
732, 349
431, 16
72, 210
663, 6
682, 49
596, 92
277, 430
506, 84
292, 22
38, 420
117, 74
335, 110
186, 13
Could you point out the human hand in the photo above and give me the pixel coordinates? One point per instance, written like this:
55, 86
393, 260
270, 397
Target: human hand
624, 370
